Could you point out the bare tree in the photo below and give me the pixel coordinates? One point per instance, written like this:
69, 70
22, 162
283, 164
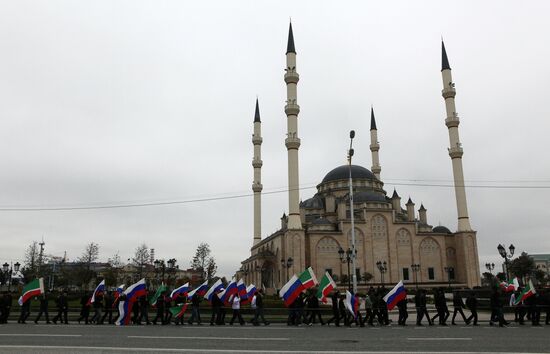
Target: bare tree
141, 258
90, 255
31, 259
204, 262
113, 269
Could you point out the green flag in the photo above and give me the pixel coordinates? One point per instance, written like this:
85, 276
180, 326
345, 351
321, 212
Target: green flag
153, 300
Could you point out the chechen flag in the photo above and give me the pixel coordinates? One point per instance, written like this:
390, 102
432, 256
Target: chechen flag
325, 287
395, 295
34, 288
308, 279
527, 292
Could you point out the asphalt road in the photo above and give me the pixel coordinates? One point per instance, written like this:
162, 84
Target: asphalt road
74, 338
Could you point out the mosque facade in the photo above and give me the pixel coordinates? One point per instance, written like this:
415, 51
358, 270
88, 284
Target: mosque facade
393, 241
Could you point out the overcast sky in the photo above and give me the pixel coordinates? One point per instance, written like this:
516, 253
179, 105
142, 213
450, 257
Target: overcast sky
114, 102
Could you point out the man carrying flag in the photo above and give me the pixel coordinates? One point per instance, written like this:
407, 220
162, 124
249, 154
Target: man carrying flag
34, 288
352, 305
200, 291
127, 301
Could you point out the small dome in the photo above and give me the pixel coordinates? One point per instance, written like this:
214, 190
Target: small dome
313, 203
342, 172
321, 221
441, 230
369, 196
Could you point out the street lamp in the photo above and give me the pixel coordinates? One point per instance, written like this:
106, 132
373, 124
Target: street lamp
382, 267
449, 270
415, 268
352, 212
507, 257
171, 268
8, 271
160, 267
287, 264
346, 257
490, 267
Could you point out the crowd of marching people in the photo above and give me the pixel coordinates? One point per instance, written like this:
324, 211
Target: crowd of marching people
302, 296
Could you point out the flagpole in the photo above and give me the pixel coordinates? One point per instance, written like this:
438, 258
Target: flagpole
354, 251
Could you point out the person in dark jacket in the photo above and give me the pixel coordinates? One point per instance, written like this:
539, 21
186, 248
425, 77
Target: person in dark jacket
314, 310
421, 311
108, 300
534, 304
497, 308
62, 308
471, 302
458, 305
343, 311
43, 308
335, 311
84, 308
25, 311
143, 303
403, 314
98, 305
167, 312
160, 309
5, 307
195, 310
257, 304
216, 313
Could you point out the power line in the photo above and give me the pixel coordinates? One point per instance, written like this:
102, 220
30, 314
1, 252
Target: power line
243, 195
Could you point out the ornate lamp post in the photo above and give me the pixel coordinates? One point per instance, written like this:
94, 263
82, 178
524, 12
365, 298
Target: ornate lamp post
383, 268
287, 264
8, 271
160, 268
507, 257
353, 251
490, 267
172, 268
415, 268
346, 257
449, 270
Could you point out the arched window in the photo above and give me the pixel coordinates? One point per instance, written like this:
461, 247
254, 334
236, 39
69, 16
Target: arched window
327, 245
403, 237
379, 227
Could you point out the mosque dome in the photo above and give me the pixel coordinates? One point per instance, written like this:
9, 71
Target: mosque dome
369, 196
441, 230
316, 202
342, 172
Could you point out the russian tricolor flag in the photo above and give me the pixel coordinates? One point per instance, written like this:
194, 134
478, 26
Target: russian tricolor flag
290, 291
213, 289
200, 291
181, 290
133, 292
241, 290
250, 292
352, 303
395, 295
99, 289
229, 291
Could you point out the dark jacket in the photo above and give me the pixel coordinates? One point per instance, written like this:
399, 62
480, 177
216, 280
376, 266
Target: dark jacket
471, 302
457, 301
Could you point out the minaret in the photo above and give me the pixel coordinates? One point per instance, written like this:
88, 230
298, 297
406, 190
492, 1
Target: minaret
292, 141
257, 184
374, 146
410, 210
455, 151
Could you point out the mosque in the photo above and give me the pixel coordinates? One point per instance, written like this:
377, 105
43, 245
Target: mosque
392, 243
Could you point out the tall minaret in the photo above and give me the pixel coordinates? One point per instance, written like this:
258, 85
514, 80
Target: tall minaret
257, 184
455, 150
374, 146
292, 141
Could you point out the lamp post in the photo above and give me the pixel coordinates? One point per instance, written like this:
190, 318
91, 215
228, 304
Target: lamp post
490, 267
8, 271
507, 257
172, 268
346, 257
287, 264
160, 268
382, 267
353, 250
415, 268
449, 270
